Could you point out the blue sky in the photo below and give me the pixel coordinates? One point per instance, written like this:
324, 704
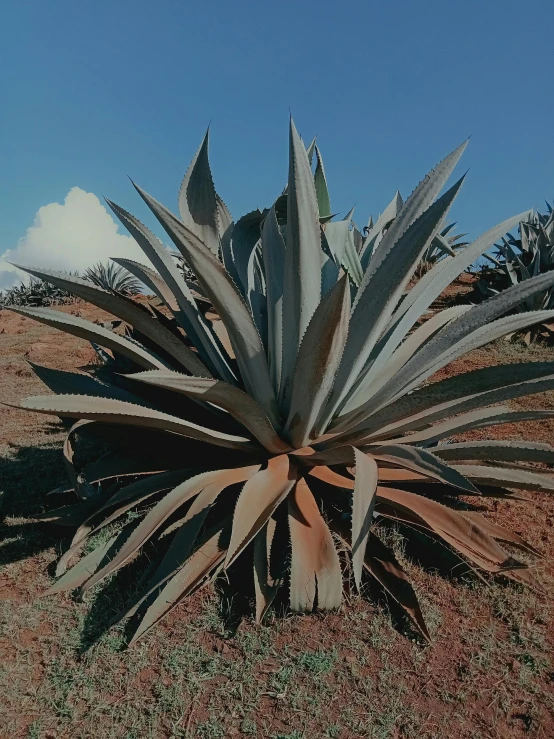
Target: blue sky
92, 92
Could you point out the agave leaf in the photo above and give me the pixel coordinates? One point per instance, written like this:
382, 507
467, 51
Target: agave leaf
194, 323
154, 519
246, 234
314, 559
424, 462
238, 403
321, 189
125, 499
85, 567
442, 350
351, 261
500, 533
318, 359
374, 231
363, 504
421, 198
128, 311
151, 279
326, 474
229, 304
483, 315
264, 585
498, 451
379, 293
464, 535
452, 407
526, 577
202, 211
205, 559
92, 332
337, 234
68, 515
432, 284
302, 283
120, 412
77, 383
380, 367
453, 389
257, 501
507, 476
188, 528
273, 255
381, 563
256, 292
494, 416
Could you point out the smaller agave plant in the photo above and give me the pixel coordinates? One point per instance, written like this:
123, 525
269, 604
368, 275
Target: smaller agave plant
520, 259
286, 427
445, 244
35, 293
113, 277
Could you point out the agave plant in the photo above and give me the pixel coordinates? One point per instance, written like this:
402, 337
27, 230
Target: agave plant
519, 259
113, 277
36, 293
443, 245
306, 416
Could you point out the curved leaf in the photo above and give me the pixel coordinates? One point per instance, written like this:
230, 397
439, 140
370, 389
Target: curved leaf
194, 323
121, 412
363, 505
229, 304
302, 282
257, 501
314, 561
92, 332
128, 311
202, 211
202, 563
318, 359
238, 403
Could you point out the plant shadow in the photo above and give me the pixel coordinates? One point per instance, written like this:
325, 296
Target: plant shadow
28, 473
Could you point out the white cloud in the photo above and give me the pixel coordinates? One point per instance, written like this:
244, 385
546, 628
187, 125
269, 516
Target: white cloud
69, 237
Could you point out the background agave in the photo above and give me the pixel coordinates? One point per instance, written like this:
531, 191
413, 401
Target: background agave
35, 292
113, 277
443, 245
519, 259
257, 436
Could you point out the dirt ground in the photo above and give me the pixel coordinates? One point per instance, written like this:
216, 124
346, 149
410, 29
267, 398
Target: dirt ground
355, 673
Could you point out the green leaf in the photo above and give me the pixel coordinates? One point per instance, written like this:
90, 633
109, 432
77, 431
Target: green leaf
273, 255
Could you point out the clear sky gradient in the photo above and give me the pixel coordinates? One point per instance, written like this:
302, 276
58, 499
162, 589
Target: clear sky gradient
92, 92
